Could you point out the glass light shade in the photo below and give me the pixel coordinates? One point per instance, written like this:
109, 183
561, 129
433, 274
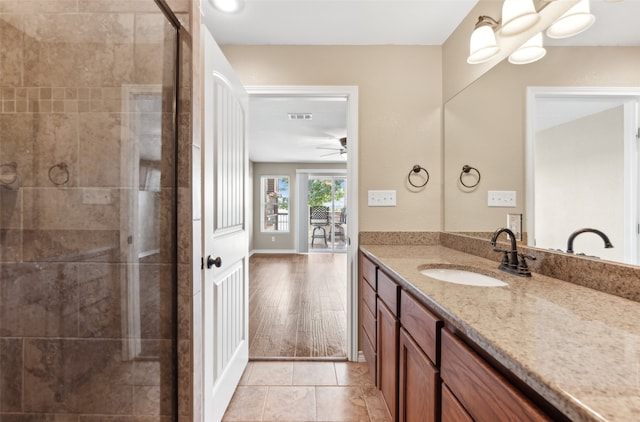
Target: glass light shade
573, 22
518, 16
529, 52
227, 6
483, 45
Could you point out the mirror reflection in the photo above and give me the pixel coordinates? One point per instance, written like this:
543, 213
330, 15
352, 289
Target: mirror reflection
486, 127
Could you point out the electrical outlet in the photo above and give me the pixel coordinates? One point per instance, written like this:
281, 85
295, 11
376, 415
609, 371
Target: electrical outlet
514, 223
381, 198
502, 198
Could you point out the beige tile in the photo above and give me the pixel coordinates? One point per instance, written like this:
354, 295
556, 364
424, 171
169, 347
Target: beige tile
350, 373
271, 373
290, 404
247, 404
341, 404
244, 380
375, 407
314, 373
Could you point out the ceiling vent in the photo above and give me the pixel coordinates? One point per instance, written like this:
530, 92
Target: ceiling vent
300, 116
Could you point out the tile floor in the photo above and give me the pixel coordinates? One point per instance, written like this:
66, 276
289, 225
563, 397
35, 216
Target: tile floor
306, 391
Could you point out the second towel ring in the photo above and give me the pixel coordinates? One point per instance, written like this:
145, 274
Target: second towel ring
59, 173
417, 169
466, 169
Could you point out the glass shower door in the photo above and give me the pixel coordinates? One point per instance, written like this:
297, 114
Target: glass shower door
87, 211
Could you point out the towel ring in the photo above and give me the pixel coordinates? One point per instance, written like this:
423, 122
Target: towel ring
13, 171
417, 169
466, 169
63, 173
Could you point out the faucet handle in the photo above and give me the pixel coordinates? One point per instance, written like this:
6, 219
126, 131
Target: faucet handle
523, 268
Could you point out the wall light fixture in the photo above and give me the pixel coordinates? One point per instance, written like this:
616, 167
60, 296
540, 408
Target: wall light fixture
517, 17
573, 21
483, 45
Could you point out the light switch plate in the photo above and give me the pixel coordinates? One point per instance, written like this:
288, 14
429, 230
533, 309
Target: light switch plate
502, 198
514, 223
381, 198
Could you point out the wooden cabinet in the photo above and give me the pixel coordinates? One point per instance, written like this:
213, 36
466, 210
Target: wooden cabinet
388, 330
368, 312
424, 372
419, 397
482, 391
419, 380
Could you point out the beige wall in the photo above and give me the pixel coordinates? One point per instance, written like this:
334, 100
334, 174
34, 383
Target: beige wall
400, 97
283, 241
485, 125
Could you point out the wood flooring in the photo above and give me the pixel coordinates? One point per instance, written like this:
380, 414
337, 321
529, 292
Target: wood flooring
297, 305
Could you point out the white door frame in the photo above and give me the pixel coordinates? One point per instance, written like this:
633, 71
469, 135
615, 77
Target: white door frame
631, 152
351, 94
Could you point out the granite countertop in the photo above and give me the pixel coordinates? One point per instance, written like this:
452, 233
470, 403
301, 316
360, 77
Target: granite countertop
576, 347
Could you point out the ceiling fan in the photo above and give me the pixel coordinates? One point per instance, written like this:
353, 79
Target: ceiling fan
339, 151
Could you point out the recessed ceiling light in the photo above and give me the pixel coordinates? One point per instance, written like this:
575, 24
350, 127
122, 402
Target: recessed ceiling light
227, 6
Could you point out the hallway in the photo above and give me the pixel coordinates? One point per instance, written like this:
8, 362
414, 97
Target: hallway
306, 391
297, 305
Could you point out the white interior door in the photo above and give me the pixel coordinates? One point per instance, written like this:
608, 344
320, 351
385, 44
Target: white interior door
225, 238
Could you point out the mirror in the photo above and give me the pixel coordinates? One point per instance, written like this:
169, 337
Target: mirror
485, 126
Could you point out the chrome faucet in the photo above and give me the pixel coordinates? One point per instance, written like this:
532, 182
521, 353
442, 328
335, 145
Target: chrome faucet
572, 236
510, 262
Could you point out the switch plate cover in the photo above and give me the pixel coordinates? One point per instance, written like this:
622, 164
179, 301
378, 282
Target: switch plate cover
502, 198
381, 198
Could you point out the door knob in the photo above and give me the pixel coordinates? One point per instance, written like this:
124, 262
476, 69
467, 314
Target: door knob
211, 262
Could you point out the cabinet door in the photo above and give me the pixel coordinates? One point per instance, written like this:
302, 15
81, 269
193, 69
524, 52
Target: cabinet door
483, 392
452, 410
388, 327
418, 388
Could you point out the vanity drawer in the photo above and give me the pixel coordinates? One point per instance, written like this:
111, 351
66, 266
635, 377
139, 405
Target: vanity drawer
388, 291
369, 297
452, 410
423, 326
369, 326
368, 271
485, 394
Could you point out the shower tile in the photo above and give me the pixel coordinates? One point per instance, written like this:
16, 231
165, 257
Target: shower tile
10, 245
39, 300
11, 207
83, 376
126, 6
70, 209
156, 297
102, 64
10, 375
11, 53
100, 300
55, 141
38, 6
18, 143
100, 150
71, 245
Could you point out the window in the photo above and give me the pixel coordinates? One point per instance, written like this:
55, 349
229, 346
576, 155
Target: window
275, 203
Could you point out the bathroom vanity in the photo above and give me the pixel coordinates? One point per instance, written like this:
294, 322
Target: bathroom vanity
536, 349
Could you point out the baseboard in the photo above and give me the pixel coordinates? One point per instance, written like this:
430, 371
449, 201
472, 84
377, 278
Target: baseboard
273, 251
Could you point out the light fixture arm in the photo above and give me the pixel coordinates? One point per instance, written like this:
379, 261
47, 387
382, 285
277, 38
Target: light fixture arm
485, 20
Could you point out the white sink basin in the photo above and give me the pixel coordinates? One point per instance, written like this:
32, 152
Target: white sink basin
467, 278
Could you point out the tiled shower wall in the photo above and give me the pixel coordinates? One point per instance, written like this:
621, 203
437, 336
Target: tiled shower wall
66, 70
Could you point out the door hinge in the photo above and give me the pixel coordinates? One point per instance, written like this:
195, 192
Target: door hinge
638, 134
202, 263
130, 240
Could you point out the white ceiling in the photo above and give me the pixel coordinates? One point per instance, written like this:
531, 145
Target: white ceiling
273, 138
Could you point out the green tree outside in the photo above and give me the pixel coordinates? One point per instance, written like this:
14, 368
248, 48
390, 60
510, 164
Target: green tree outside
320, 191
